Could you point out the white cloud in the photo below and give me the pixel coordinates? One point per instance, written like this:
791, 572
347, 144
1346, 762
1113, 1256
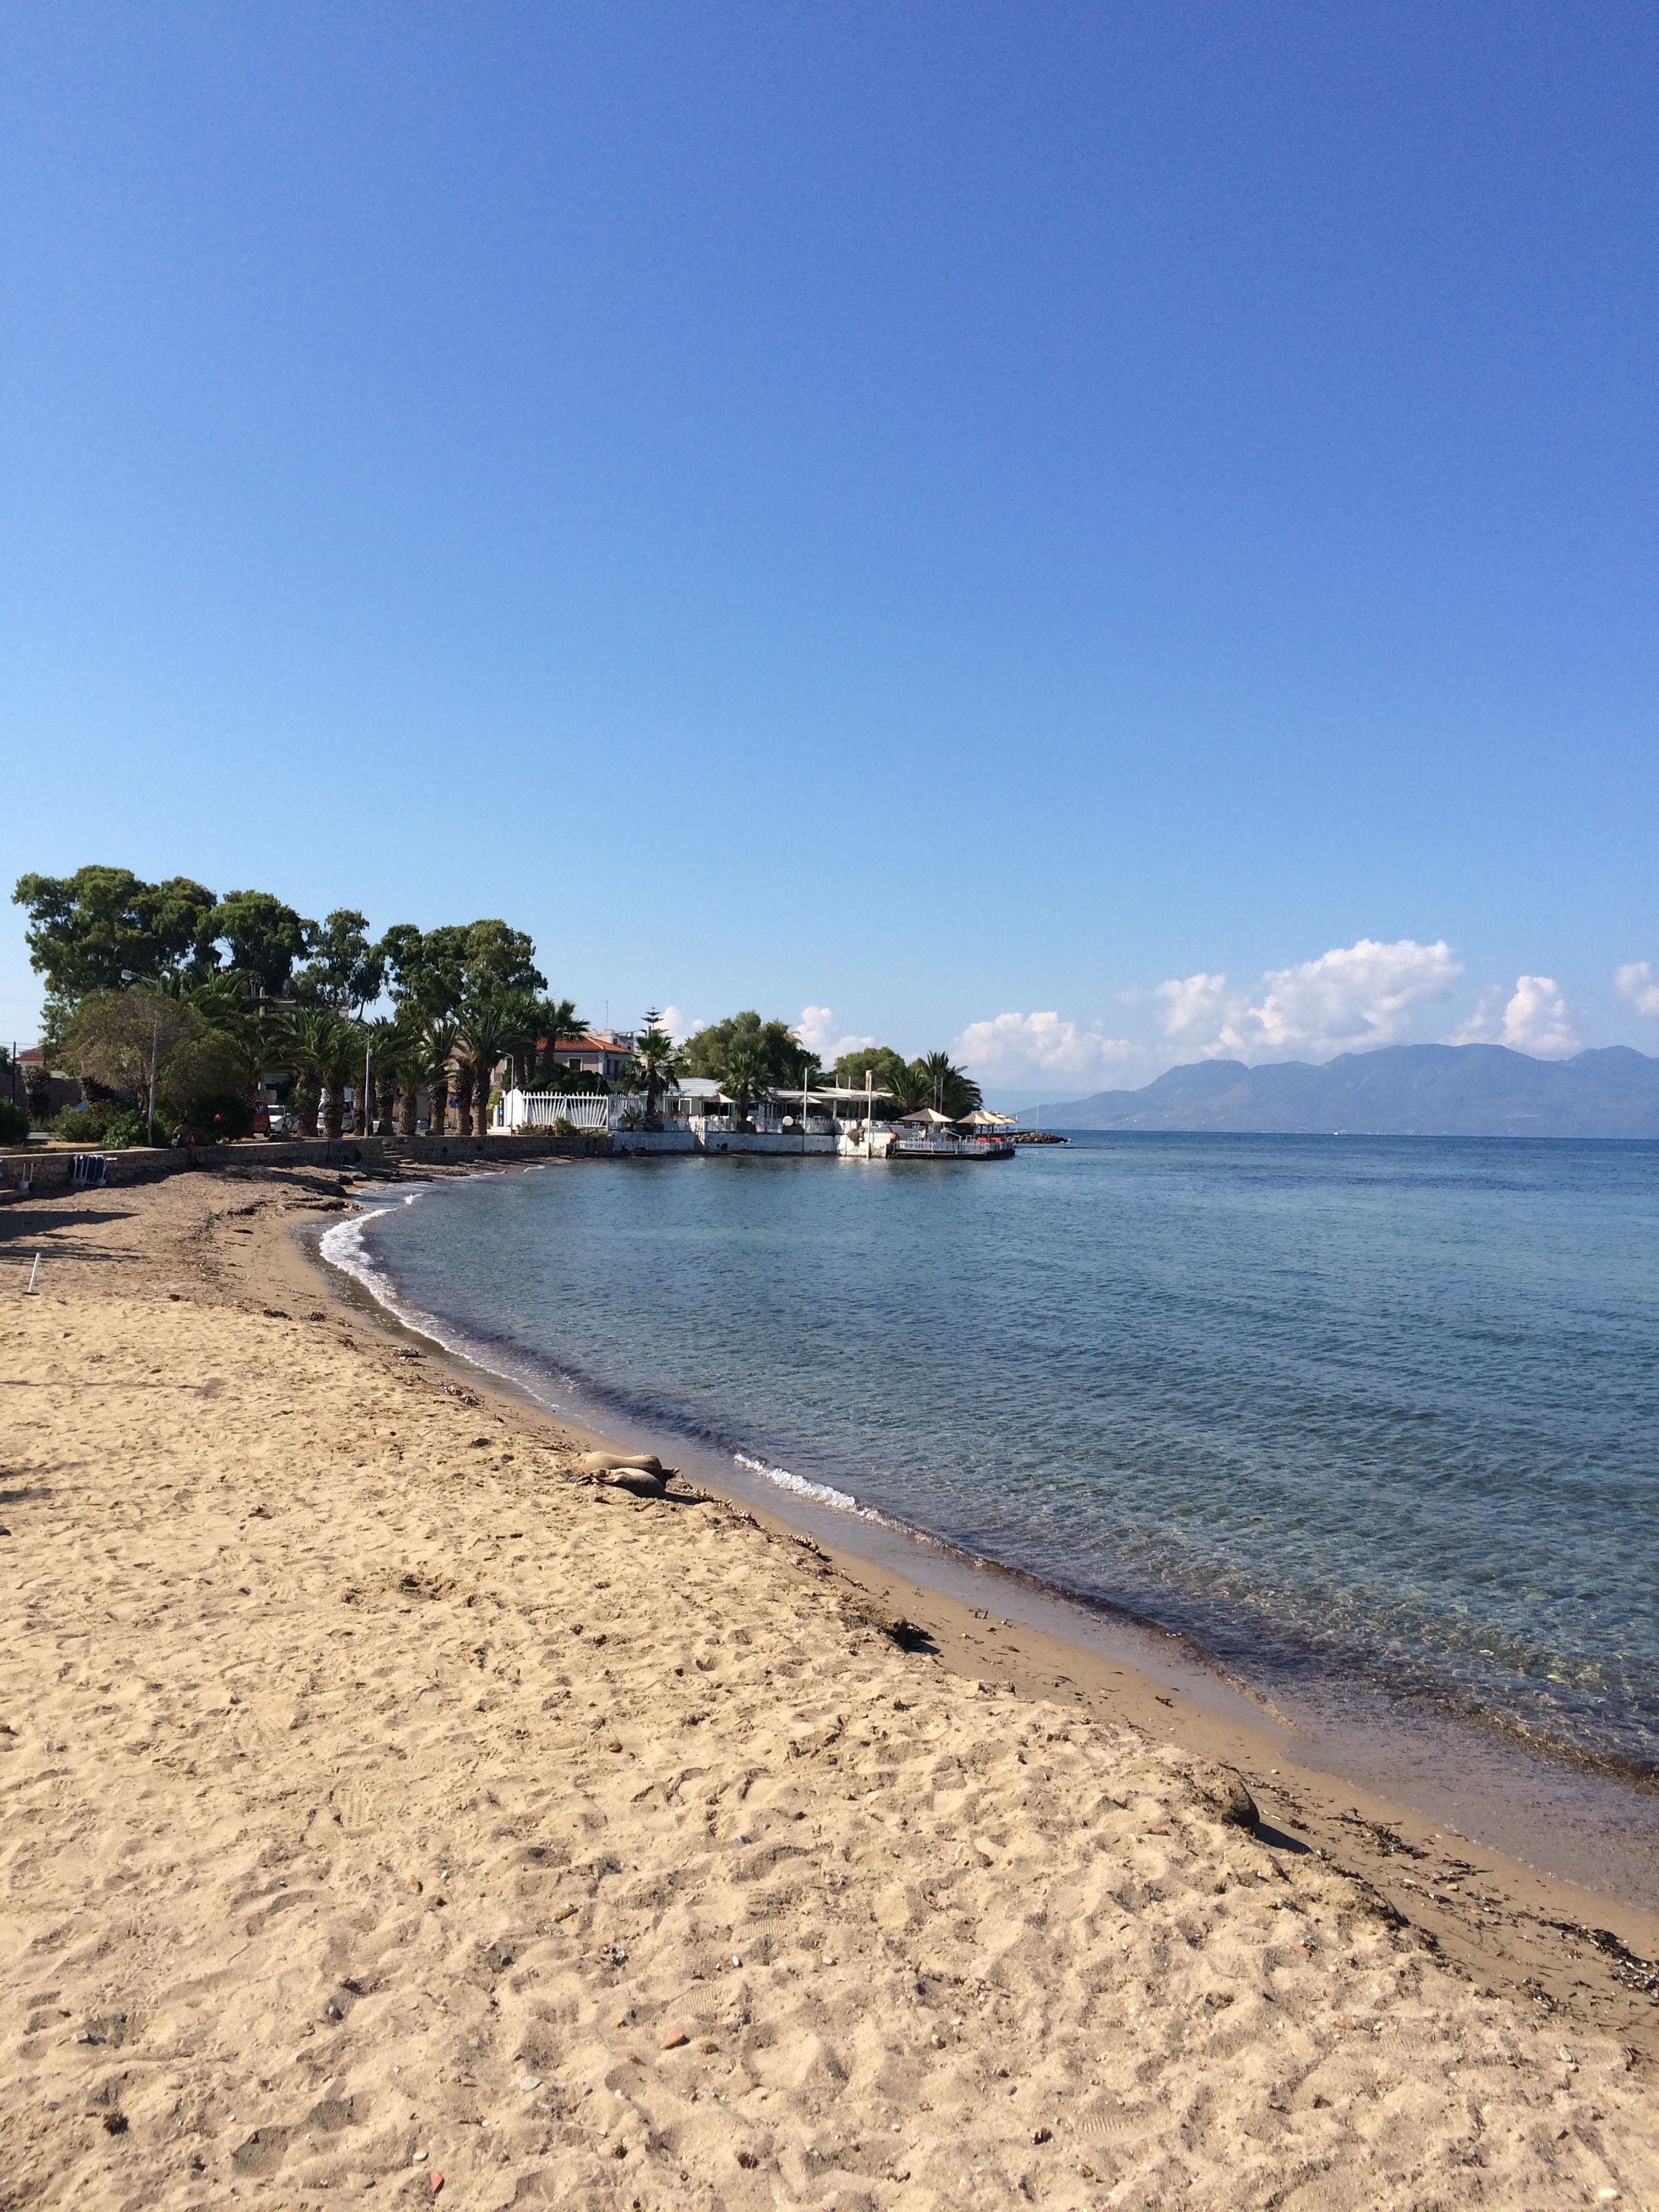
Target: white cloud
1637, 982
676, 1025
1200, 1010
1011, 1046
1351, 998
819, 1032
1536, 1018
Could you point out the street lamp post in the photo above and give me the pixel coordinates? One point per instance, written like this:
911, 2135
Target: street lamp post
128, 978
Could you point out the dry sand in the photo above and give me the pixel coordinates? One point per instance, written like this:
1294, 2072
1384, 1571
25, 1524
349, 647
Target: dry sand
387, 1815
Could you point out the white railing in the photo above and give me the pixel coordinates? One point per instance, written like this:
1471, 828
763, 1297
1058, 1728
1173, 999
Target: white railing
543, 1109
945, 1148
583, 1110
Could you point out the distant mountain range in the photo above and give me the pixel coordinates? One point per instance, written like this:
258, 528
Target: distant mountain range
1398, 1091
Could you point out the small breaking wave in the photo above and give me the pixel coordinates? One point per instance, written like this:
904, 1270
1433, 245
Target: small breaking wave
343, 1247
821, 1493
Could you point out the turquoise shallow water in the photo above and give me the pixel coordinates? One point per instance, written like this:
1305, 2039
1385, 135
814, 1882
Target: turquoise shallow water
1379, 1409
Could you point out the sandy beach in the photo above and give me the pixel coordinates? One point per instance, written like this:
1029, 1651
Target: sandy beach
391, 1814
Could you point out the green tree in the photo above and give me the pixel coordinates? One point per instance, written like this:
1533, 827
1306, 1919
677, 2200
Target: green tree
344, 970
95, 930
435, 969
889, 1070
806, 1075
203, 1084
203, 1068
425, 968
263, 935
36, 1089
230, 1002
773, 1047
502, 960
113, 1037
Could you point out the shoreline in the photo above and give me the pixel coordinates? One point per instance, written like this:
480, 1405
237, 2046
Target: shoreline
1421, 1771
383, 1801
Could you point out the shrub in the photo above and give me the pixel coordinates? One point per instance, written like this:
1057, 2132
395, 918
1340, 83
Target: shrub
128, 1127
203, 1077
217, 1120
14, 1123
91, 1123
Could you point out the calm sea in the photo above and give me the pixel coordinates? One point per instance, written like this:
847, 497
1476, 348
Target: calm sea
1383, 1408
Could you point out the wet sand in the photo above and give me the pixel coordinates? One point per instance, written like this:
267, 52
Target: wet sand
383, 1803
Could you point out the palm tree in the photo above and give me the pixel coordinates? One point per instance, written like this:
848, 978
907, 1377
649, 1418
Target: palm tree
252, 1026
746, 1077
437, 1051
340, 1059
949, 1090
656, 1062
465, 1080
306, 1051
407, 1061
394, 1047
492, 1025
911, 1085
524, 1036
555, 1018
389, 1041
409, 1066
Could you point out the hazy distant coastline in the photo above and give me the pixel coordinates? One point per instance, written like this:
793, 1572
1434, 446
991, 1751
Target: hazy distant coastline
1399, 1090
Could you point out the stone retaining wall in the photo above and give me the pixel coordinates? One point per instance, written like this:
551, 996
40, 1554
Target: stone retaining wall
49, 1168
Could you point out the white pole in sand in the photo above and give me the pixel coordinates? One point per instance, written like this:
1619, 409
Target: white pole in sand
28, 1288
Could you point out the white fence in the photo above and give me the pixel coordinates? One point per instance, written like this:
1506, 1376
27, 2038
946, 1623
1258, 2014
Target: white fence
542, 1109
582, 1110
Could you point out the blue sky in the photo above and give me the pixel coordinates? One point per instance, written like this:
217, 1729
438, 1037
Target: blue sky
1101, 533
